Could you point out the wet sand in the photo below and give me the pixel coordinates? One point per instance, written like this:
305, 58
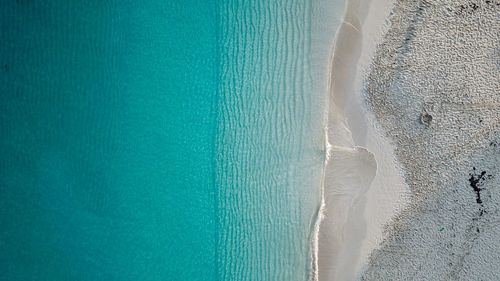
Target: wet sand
360, 172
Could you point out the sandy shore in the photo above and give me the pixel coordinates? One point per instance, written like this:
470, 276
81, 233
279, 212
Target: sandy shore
363, 188
434, 88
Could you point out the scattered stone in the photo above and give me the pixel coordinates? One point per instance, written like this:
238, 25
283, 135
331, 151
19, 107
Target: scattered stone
425, 118
476, 180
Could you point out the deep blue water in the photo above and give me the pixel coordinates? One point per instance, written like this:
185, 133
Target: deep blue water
157, 140
106, 118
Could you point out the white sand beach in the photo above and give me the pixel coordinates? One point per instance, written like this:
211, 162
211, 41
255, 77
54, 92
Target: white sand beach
413, 136
363, 186
434, 87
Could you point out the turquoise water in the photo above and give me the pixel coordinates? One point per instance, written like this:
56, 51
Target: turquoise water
269, 141
107, 121
157, 140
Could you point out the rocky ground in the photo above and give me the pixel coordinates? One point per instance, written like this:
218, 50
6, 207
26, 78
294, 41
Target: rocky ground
434, 88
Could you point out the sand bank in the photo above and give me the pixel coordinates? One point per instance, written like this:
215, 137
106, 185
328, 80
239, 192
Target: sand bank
360, 172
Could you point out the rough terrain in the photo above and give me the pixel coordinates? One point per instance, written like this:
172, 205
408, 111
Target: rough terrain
434, 88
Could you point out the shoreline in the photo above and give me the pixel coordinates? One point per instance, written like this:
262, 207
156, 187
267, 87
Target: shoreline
352, 173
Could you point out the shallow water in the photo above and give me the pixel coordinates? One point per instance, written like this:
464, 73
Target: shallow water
159, 140
266, 162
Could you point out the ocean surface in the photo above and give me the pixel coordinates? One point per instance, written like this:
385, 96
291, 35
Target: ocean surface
160, 140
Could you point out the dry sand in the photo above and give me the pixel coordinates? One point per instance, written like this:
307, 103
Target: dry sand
434, 88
